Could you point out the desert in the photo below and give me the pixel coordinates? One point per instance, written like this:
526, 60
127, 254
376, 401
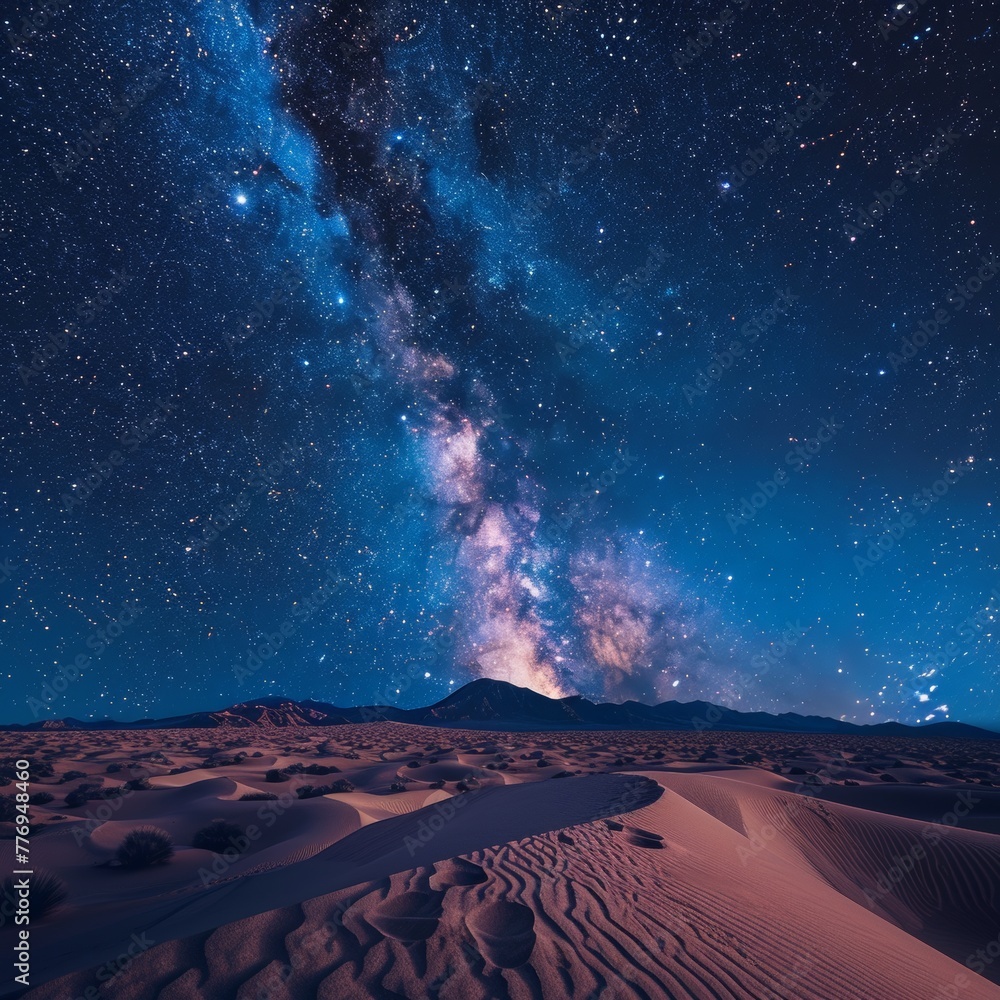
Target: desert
392, 860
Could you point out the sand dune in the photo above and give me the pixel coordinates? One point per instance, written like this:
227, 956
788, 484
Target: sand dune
660, 865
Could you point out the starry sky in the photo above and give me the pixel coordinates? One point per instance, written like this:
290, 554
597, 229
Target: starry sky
634, 350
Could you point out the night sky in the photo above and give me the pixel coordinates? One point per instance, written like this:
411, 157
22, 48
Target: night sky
353, 353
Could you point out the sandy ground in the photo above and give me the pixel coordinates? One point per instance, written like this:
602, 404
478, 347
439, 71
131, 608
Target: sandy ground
466, 865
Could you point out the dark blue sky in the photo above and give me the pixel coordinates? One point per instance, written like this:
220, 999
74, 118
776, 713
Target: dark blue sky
361, 350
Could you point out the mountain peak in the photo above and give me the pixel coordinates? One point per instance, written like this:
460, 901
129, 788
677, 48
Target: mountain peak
490, 703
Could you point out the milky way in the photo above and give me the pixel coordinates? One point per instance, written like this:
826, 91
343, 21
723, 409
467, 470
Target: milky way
526, 323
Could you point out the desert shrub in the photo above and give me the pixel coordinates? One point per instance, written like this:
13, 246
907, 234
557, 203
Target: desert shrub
397, 786
320, 769
312, 792
41, 798
144, 847
217, 837
258, 797
225, 761
73, 775
113, 768
274, 776
47, 893
39, 769
90, 791
138, 785
437, 784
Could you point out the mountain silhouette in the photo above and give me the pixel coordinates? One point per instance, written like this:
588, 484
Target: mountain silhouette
498, 705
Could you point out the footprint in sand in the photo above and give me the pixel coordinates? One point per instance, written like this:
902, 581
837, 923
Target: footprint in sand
457, 871
642, 838
504, 932
410, 916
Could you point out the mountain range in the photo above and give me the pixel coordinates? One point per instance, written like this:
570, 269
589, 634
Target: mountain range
498, 705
